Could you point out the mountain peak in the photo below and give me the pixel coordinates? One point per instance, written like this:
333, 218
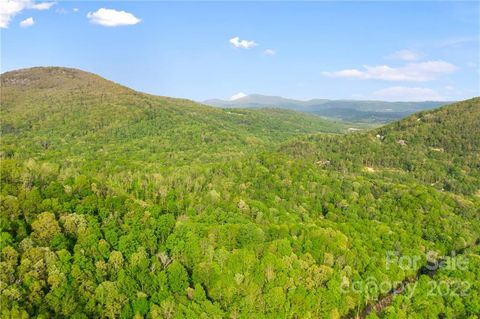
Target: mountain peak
53, 77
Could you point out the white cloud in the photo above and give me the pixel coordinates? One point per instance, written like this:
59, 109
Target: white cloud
414, 72
401, 93
244, 44
270, 52
112, 17
28, 22
237, 96
406, 55
66, 11
10, 8
42, 5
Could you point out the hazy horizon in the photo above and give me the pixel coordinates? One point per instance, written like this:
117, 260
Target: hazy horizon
233, 98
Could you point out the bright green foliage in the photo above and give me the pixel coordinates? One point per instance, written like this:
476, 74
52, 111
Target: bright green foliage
118, 204
177, 278
439, 148
451, 293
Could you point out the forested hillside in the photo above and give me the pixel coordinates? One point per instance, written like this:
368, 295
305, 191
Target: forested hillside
440, 148
119, 204
67, 113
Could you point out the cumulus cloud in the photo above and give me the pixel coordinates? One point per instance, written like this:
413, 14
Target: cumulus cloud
112, 18
406, 55
10, 8
269, 52
237, 96
42, 5
243, 44
414, 72
28, 22
401, 93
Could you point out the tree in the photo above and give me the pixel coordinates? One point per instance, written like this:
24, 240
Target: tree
177, 277
109, 300
45, 228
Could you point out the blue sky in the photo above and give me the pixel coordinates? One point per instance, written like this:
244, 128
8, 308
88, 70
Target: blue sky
201, 50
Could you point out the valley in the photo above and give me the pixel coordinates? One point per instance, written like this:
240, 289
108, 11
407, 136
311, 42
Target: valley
369, 113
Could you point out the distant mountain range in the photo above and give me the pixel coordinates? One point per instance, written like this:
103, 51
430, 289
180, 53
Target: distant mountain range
346, 110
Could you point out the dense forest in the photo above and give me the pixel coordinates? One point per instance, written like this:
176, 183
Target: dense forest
120, 204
